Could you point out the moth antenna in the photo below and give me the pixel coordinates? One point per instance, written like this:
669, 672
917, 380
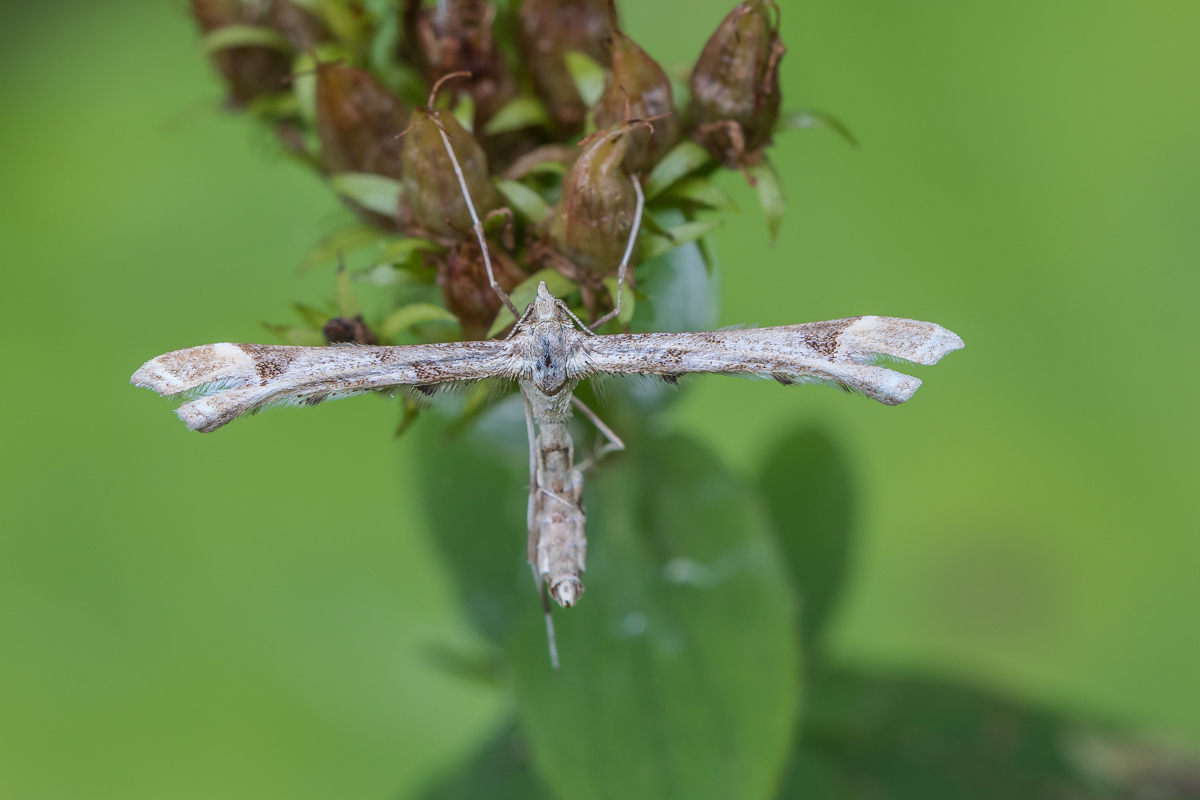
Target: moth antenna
633, 232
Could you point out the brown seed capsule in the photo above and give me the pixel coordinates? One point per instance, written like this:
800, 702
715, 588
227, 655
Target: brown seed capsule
549, 28
431, 188
592, 220
637, 88
735, 85
456, 36
465, 288
303, 29
248, 71
357, 120
344, 330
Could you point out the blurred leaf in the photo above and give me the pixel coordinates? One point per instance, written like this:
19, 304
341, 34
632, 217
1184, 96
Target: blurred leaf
809, 491
382, 275
243, 36
525, 200
684, 158
484, 666
702, 191
414, 314
677, 290
627, 301
304, 81
587, 74
373, 192
347, 303
935, 741
314, 318
401, 250
526, 291
500, 770
302, 337
339, 242
523, 111
770, 195
409, 412
464, 111
679, 666
655, 246
805, 118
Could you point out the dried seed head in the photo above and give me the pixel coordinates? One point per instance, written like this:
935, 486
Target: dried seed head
548, 29
346, 330
358, 119
430, 184
465, 288
735, 85
456, 36
248, 71
637, 88
592, 220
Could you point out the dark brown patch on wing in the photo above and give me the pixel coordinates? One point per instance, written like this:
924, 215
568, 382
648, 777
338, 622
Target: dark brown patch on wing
824, 337
269, 362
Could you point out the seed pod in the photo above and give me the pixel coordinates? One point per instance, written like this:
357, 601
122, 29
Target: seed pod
456, 36
735, 85
431, 188
357, 120
548, 29
303, 30
248, 71
465, 288
344, 330
637, 88
592, 220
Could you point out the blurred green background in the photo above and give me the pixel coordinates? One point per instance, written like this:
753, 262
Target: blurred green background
246, 615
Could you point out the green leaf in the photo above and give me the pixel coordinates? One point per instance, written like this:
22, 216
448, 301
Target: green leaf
770, 195
807, 118
243, 36
654, 246
405, 317
627, 300
683, 159
809, 490
526, 291
587, 74
401, 250
500, 770
525, 200
677, 290
703, 191
301, 337
680, 671
523, 111
373, 192
314, 318
347, 303
339, 242
464, 111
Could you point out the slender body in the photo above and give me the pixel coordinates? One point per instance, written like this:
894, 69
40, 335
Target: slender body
547, 355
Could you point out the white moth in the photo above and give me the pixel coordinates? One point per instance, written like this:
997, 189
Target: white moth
548, 352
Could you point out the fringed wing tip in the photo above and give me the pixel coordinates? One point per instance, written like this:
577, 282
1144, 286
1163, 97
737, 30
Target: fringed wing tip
182, 371
940, 342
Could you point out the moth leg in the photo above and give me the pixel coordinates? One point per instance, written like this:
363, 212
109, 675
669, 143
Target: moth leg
531, 526
623, 269
614, 441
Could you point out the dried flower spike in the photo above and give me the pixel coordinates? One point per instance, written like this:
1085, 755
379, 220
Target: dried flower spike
735, 85
637, 88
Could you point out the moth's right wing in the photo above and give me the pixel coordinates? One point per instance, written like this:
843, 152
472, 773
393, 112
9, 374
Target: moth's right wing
837, 352
236, 379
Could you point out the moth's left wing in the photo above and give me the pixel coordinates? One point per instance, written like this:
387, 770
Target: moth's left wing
237, 379
836, 352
